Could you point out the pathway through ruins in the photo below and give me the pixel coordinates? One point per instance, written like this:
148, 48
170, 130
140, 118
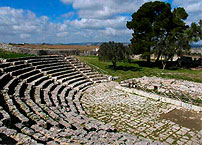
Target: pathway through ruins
142, 116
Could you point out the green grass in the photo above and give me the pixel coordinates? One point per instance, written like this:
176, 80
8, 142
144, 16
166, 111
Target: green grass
7, 54
135, 69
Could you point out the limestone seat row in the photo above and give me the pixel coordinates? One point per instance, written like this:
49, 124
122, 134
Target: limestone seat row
40, 103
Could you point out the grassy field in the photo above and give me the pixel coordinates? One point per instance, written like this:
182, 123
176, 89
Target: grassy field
136, 69
6, 54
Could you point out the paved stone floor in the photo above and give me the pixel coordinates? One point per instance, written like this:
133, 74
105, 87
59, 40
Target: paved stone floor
139, 115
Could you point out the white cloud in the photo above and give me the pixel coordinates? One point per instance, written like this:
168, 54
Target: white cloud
68, 15
115, 32
67, 1
189, 5
62, 34
105, 9
102, 9
118, 22
62, 27
193, 7
18, 25
99, 20
25, 36
26, 27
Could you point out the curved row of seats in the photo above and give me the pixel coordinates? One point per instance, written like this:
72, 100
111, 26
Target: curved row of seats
40, 103
86, 70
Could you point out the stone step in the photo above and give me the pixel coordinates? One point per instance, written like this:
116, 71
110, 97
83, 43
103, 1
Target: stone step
21, 71
14, 110
4, 79
84, 86
75, 79
79, 83
65, 77
5, 118
46, 66
15, 67
43, 59
11, 85
54, 66
39, 80
32, 58
4, 65
12, 137
52, 71
70, 77
45, 84
28, 74
41, 63
62, 73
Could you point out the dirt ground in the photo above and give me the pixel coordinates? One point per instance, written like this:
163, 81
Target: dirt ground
189, 119
45, 46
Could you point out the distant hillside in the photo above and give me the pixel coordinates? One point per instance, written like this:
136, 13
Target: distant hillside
92, 43
57, 46
78, 44
86, 43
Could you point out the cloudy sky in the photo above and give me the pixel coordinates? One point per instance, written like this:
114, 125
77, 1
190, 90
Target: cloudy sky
71, 21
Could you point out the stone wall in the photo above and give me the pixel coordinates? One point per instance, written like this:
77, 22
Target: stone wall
16, 49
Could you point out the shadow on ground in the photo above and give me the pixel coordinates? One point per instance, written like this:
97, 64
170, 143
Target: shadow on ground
126, 68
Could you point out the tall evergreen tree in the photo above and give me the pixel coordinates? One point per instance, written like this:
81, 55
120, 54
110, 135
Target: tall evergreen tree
149, 24
159, 30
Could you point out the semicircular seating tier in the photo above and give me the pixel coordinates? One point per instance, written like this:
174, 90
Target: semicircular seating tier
40, 103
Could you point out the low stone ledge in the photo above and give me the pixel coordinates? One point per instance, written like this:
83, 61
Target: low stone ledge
161, 98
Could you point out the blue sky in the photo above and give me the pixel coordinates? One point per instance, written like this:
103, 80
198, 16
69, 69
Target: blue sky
67, 21
50, 8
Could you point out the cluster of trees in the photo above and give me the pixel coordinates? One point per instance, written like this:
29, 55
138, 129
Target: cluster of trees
156, 30
113, 52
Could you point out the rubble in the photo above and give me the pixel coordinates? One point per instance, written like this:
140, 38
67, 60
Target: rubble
185, 91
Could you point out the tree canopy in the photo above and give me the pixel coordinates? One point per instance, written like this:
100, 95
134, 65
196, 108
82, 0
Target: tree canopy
195, 32
113, 52
157, 29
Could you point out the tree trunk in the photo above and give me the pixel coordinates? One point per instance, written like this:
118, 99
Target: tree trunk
148, 60
158, 57
164, 65
164, 62
148, 56
114, 63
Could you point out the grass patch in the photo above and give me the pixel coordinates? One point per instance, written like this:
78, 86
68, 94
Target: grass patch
137, 69
6, 54
68, 137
